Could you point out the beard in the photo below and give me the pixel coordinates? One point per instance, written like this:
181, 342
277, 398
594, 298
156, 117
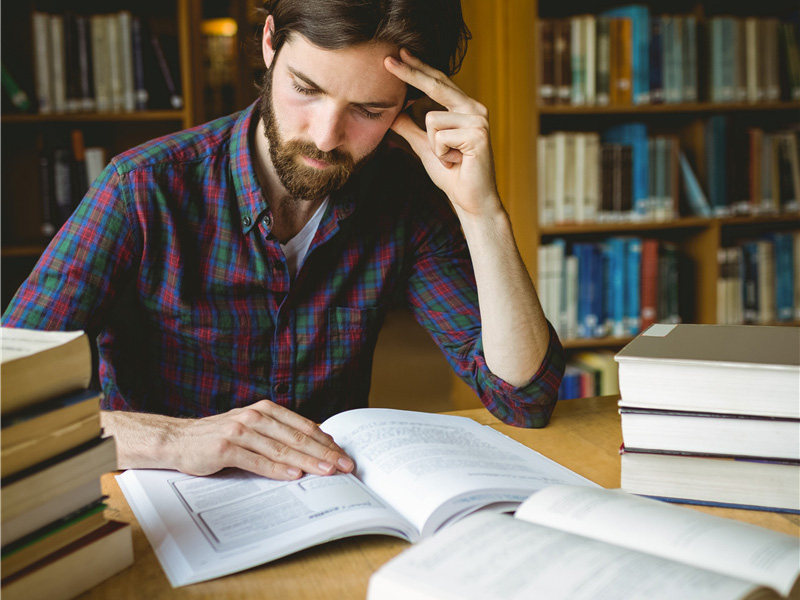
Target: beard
300, 180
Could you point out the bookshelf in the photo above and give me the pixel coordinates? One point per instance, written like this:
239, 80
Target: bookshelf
29, 135
502, 70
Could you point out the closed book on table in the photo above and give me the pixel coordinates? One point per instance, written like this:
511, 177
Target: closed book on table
39, 365
731, 369
736, 481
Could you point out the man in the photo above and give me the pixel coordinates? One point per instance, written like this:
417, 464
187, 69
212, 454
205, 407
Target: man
264, 248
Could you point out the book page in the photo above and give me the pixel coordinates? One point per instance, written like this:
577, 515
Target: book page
678, 533
432, 468
19, 343
497, 557
206, 527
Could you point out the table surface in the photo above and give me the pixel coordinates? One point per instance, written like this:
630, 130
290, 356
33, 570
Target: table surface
583, 435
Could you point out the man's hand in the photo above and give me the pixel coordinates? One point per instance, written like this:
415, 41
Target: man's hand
456, 148
264, 438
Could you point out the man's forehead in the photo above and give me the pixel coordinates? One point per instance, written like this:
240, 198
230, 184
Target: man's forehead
358, 70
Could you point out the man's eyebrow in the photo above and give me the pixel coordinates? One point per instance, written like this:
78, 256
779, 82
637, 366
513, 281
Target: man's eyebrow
311, 83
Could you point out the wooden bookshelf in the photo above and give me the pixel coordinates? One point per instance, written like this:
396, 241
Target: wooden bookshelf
24, 133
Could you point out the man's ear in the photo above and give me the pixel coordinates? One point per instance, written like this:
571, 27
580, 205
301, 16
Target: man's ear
267, 47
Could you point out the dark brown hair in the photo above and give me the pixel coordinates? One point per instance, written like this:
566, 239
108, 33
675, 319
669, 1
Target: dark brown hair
432, 30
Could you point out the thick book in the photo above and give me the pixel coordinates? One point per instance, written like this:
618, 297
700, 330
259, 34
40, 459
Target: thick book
416, 473
75, 568
47, 492
710, 433
47, 429
731, 369
40, 365
734, 481
586, 543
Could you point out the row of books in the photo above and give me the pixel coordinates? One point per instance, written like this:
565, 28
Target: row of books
589, 374
626, 174
103, 62
612, 288
67, 167
626, 56
710, 415
758, 281
56, 541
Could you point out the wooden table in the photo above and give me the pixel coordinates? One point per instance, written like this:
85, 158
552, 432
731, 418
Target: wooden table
583, 435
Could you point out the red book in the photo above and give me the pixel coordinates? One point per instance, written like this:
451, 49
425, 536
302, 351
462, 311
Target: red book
649, 290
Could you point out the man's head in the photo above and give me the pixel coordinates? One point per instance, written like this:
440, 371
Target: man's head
327, 99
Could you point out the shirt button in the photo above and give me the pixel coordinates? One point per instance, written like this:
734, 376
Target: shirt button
247, 221
281, 388
267, 220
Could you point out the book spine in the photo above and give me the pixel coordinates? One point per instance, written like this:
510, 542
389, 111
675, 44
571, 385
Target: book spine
749, 274
126, 62
57, 60
591, 177
590, 67
42, 65
656, 71
547, 93
751, 41
633, 271
48, 223
579, 174
86, 96
690, 60
577, 62
62, 182
677, 59
101, 62
141, 95
694, 193
603, 52
175, 99
115, 68
784, 277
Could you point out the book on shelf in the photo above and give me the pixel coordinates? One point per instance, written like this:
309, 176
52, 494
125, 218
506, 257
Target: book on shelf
417, 473
710, 433
713, 368
589, 374
626, 56
598, 543
734, 481
74, 568
27, 354
111, 62
615, 287
46, 429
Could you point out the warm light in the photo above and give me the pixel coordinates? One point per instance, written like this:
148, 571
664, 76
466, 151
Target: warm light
225, 27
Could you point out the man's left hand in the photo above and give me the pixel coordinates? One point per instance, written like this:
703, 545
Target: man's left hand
456, 148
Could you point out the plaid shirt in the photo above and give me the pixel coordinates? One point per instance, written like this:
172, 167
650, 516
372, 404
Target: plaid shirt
214, 320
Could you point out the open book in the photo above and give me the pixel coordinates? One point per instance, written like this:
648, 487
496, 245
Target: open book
416, 472
568, 542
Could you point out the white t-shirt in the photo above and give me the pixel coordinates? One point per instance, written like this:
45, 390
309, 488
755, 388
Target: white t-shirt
295, 249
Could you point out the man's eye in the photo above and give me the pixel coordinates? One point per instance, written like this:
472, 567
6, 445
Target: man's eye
368, 114
303, 90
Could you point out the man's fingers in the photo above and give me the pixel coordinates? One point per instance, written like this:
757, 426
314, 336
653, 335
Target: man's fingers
429, 81
405, 127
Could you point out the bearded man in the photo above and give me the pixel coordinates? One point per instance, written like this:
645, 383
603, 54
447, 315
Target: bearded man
264, 249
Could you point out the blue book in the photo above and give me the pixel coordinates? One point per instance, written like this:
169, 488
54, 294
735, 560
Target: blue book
640, 21
695, 196
635, 136
784, 275
599, 279
615, 290
656, 61
716, 144
589, 289
633, 285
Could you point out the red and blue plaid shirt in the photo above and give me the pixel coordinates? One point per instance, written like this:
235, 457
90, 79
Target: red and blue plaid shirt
213, 321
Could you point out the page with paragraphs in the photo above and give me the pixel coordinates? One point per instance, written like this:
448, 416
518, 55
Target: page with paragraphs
674, 532
496, 557
206, 527
433, 468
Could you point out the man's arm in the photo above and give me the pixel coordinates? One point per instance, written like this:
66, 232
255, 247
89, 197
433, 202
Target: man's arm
456, 153
264, 438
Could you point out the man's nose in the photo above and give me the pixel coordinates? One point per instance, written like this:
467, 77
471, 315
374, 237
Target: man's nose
328, 128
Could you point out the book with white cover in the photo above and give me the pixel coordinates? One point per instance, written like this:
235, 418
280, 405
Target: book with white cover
732, 369
416, 473
575, 543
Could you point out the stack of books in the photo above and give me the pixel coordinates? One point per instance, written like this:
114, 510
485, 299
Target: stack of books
56, 542
711, 415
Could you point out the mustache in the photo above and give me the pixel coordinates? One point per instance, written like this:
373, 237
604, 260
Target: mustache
335, 157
